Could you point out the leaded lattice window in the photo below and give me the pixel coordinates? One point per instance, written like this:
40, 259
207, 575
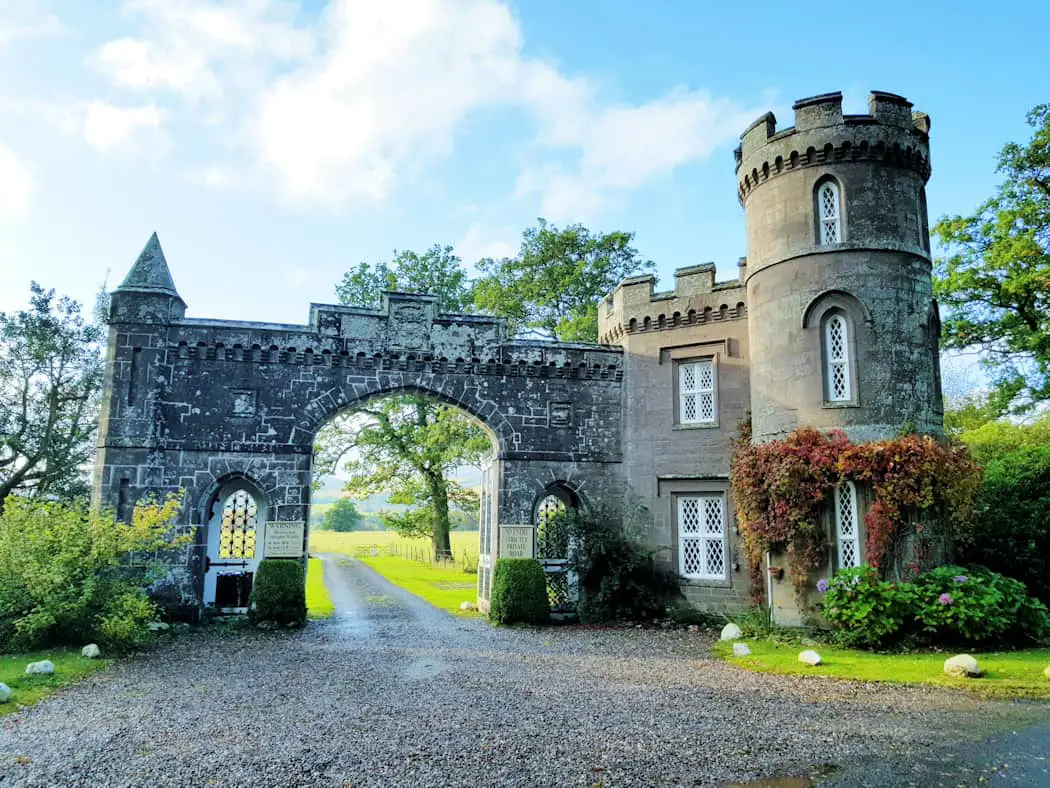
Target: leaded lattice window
829, 210
697, 402
837, 354
847, 525
239, 524
702, 536
552, 529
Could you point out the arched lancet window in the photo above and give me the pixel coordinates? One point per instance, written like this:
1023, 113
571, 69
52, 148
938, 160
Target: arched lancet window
239, 526
847, 526
837, 358
552, 536
829, 213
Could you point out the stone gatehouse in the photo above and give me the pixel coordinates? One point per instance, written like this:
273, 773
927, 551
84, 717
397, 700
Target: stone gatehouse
830, 323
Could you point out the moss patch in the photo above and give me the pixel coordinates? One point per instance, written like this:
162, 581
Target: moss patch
1007, 674
70, 668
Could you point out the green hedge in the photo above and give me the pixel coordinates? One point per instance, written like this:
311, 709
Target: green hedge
279, 593
519, 592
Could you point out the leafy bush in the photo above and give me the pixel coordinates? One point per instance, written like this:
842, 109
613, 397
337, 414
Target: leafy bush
618, 574
279, 593
950, 605
67, 574
961, 605
1012, 530
519, 592
867, 611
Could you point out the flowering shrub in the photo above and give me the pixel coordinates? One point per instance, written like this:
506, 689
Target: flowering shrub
973, 606
866, 610
945, 606
780, 488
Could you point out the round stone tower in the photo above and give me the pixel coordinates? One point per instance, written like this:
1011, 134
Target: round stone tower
842, 321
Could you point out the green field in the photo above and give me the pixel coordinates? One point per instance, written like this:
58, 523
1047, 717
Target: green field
355, 542
1007, 674
70, 667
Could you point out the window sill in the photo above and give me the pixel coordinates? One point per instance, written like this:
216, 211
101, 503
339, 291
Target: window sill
700, 425
836, 405
698, 582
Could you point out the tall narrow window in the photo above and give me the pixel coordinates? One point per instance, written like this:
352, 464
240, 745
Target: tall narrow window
847, 528
696, 393
702, 537
829, 210
837, 354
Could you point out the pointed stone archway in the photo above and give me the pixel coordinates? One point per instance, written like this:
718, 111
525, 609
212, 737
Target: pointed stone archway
191, 404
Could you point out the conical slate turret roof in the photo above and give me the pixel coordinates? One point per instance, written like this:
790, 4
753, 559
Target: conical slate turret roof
150, 273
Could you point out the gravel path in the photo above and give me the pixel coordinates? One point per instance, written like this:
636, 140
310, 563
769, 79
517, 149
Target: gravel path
393, 692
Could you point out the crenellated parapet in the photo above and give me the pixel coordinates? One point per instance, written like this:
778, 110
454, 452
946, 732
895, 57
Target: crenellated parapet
697, 298
890, 134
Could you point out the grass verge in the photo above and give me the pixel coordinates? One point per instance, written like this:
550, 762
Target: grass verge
318, 604
1007, 674
443, 588
70, 668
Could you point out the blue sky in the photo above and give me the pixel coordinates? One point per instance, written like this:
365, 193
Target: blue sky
273, 144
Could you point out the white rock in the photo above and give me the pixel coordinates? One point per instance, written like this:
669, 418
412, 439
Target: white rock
44, 666
962, 665
741, 650
158, 626
731, 632
91, 651
809, 658
1047, 672
5, 693
467, 606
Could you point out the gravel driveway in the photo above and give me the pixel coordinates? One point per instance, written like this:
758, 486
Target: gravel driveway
393, 692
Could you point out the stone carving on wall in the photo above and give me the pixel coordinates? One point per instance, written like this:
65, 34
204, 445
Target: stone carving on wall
561, 414
243, 403
409, 326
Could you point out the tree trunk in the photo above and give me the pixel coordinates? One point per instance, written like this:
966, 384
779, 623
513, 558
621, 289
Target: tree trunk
439, 496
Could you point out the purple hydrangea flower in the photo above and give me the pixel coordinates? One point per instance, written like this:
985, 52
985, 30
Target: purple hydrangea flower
945, 599
960, 578
822, 585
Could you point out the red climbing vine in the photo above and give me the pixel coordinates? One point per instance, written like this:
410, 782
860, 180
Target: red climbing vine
780, 489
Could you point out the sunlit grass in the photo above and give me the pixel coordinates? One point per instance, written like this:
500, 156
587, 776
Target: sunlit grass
350, 543
318, 605
70, 668
1006, 674
443, 588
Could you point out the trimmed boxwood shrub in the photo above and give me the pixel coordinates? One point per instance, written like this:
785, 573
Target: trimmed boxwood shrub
519, 592
279, 593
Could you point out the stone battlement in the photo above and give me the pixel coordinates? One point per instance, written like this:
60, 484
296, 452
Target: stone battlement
635, 305
890, 133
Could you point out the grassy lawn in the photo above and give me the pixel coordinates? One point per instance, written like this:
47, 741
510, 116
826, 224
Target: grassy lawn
70, 667
443, 588
318, 605
1007, 674
355, 541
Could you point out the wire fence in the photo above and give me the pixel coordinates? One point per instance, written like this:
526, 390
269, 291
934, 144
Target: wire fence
462, 560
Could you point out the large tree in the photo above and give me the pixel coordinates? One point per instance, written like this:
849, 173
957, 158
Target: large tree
995, 277
50, 383
341, 516
557, 280
407, 444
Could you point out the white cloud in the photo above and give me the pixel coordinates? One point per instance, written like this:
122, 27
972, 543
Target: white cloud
480, 242
622, 148
107, 127
20, 19
350, 104
194, 48
16, 185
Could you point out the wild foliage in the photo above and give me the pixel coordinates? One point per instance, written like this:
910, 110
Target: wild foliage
949, 605
619, 574
995, 276
781, 489
69, 575
50, 382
